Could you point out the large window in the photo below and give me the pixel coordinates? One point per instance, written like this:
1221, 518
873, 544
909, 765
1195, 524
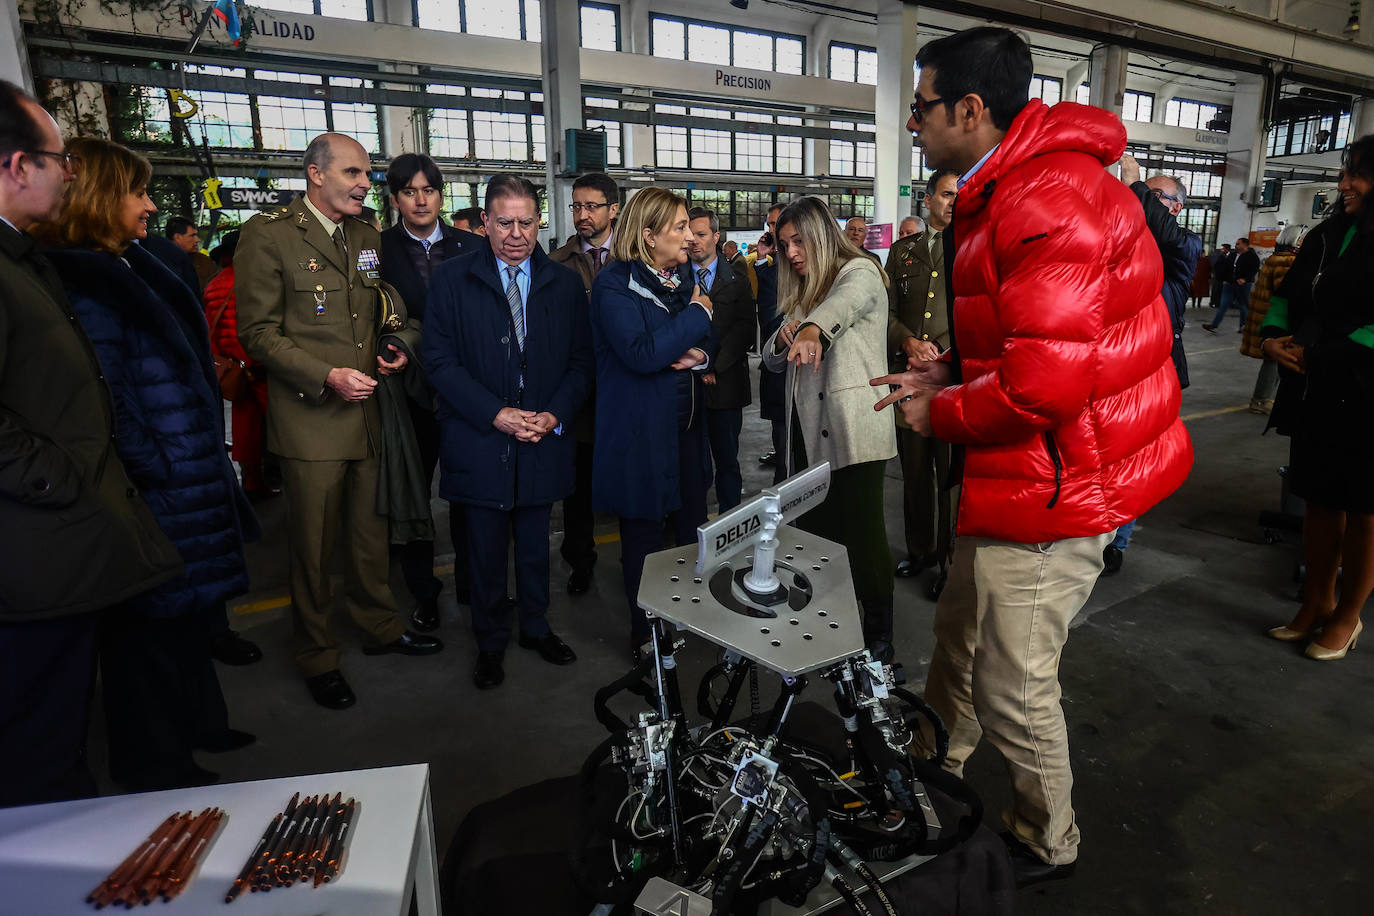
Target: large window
853, 63
847, 205
852, 157
601, 26
718, 43
1315, 134
517, 19
1137, 106
1190, 114
339, 9
614, 151
713, 143
670, 143
1047, 88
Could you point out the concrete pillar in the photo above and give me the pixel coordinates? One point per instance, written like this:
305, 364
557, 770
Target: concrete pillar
400, 129
637, 140
896, 88
79, 108
1362, 117
14, 54
1076, 76
562, 104
1245, 155
817, 61
815, 153
1107, 82
634, 23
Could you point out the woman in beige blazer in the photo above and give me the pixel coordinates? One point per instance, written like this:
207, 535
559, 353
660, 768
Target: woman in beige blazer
833, 342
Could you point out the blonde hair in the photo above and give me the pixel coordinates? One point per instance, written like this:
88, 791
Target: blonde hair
827, 250
648, 208
91, 216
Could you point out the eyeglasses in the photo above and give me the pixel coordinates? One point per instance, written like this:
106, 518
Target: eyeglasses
69, 160
921, 106
1162, 196
590, 208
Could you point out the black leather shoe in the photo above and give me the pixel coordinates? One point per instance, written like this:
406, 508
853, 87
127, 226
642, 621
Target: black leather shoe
230, 740
407, 643
579, 582
913, 565
550, 648
331, 690
232, 649
1112, 558
425, 617
488, 672
938, 586
1029, 868
767, 461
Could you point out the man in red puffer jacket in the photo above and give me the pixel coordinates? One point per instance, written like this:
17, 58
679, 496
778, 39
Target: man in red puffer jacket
1060, 389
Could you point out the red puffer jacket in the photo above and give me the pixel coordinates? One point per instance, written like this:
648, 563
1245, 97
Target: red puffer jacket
1069, 401
224, 330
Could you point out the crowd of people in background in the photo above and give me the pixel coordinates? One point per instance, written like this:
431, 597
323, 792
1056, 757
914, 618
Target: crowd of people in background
1035, 380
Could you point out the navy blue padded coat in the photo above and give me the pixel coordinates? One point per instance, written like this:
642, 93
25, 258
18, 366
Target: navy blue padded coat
150, 336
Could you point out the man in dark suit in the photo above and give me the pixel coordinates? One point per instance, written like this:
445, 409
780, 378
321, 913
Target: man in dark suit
727, 381
411, 250
772, 385
75, 536
1241, 268
507, 345
595, 205
308, 288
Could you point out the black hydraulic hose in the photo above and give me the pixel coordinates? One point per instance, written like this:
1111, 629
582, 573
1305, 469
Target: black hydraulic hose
632, 681
745, 842
874, 884
855, 904
931, 716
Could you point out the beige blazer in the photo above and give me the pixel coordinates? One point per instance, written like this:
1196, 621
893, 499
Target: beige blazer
834, 407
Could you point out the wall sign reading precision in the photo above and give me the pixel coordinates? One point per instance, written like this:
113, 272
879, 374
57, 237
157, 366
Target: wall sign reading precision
743, 82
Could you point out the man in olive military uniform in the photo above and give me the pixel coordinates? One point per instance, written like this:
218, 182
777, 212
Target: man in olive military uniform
918, 328
307, 285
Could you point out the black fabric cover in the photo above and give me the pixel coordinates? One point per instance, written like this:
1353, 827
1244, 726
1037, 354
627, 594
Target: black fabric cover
513, 856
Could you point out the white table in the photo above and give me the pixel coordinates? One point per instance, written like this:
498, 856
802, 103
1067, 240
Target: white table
52, 856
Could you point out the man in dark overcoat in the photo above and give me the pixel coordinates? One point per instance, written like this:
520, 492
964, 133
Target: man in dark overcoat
727, 381
75, 535
411, 250
507, 346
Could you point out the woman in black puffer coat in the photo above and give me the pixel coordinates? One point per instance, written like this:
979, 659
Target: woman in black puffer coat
162, 696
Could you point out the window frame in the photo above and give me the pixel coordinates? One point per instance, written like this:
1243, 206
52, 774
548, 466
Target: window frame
688, 21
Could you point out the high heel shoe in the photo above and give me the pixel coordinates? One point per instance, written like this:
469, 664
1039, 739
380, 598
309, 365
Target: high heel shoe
1323, 654
1284, 634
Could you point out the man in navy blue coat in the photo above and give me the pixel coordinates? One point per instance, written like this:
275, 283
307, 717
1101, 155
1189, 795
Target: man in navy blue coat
507, 345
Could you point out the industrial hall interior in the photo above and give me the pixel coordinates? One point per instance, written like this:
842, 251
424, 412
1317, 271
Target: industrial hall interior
626, 458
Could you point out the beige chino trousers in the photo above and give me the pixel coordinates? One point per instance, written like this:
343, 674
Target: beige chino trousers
1000, 626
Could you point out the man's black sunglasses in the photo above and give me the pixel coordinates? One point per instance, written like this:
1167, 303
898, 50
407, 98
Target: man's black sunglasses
921, 106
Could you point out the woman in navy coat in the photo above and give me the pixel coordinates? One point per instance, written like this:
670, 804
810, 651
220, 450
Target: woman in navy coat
651, 330
162, 696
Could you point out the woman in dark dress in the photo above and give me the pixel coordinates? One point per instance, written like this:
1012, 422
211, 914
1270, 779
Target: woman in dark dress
162, 696
1320, 330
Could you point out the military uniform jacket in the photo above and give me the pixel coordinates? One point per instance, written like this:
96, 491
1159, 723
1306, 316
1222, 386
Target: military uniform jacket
302, 311
918, 303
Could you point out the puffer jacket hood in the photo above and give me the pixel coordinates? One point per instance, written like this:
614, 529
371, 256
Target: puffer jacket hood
1069, 401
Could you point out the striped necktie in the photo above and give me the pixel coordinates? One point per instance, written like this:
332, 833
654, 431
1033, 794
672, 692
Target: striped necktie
517, 309
701, 280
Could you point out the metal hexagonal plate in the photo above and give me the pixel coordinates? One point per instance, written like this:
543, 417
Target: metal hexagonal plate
816, 627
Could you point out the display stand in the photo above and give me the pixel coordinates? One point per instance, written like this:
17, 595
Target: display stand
51, 856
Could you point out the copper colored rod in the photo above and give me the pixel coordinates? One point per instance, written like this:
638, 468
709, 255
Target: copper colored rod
140, 870
116, 877
186, 863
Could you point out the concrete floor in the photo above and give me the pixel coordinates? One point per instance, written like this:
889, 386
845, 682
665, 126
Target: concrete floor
1216, 770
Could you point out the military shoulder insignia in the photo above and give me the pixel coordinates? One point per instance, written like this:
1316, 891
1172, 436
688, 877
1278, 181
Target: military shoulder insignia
275, 215
302, 219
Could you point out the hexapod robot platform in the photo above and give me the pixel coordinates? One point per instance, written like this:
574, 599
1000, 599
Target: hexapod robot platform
727, 816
